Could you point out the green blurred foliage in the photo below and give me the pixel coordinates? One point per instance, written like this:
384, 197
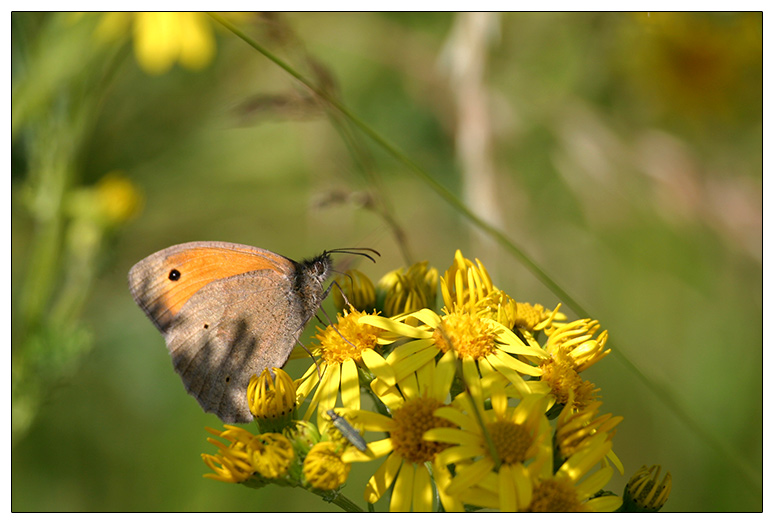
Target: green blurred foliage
628, 154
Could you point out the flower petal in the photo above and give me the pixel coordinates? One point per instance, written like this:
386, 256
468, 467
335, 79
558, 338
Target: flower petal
382, 479
422, 491
458, 454
445, 373
313, 404
387, 394
594, 482
378, 366
376, 449
469, 475
523, 484
329, 390
509, 338
409, 386
351, 388
442, 477
405, 350
394, 327
462, 420
429, 317
412, 363
401, 499
507, 492
370, 420
515, 364
307, 383
451, 435
604, 504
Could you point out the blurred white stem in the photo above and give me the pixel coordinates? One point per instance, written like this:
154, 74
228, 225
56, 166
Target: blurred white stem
466, 54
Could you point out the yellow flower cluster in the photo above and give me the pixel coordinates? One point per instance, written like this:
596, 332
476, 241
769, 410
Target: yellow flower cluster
477, 405
297, 455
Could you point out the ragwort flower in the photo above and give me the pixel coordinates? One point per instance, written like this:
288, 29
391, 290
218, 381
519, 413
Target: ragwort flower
572, 487
344, 347
492, 447
412, 404
492, 346
272, 400
405, 291
161, 38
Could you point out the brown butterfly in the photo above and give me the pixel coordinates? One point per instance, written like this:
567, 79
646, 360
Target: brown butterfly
228, 311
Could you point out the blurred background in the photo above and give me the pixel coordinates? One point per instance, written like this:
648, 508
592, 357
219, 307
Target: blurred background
622, 152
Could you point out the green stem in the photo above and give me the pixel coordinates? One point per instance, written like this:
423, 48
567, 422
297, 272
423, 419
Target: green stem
345, 503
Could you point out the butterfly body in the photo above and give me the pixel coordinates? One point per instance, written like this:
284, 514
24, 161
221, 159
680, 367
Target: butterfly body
227, 311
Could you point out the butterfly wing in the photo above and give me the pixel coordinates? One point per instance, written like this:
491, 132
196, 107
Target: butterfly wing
227, 311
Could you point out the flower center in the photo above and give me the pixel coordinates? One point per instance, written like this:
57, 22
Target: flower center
412, 420
348, 340
469, 335
511, 441
553, 495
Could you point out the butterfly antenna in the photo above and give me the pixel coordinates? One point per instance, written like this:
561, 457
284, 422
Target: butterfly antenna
357, 251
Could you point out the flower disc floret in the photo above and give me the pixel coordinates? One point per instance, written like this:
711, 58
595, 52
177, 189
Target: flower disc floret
553, 495
347, 339
470, 336
412, 420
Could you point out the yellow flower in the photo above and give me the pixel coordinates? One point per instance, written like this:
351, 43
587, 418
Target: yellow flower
492, 447
344, 348
466, 285
161, 39
272, 400
565, 383
234, 459
575, 340
112, 201
535, 318
644, 492
481, 341
119, 199
411, 404
270, 454
323, 467
358, 289
405, 291
576, 428
571, 488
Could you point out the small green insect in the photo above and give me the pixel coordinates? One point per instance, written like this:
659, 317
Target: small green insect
352, 435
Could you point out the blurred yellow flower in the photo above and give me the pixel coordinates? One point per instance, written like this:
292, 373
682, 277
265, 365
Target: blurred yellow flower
357, 288
644, 492
408, 290
572, 487
118, 198
162, 38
